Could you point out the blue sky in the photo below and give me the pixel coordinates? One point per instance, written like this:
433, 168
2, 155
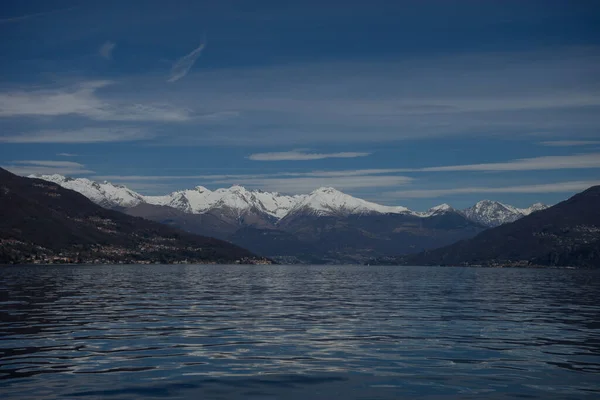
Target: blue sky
401, 102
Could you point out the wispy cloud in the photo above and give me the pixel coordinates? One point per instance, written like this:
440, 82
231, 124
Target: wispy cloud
218, 116
559, 187
34, 15
82, 100
569, 143
67, 155
50, 163
501, 94
285, 182
182, 66
307, 184
79, 99
527, 164
296, 155
106, 49
39, 167
304, 182
85, 135
504, 95
342, 173
243, 177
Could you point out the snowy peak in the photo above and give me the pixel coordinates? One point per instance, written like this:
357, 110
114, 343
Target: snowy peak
329, 201
492, 213
535, 207
437, 210
237, 200
105, 194
177, 200
277, 205
441, 207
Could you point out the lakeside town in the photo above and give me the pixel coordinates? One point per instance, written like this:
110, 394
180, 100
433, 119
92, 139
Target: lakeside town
148, 253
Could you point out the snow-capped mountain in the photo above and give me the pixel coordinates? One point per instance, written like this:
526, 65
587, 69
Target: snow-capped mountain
236, 199
199, 200
329, 201
438, 210
533, 208
104, 194
493, 213
237, 202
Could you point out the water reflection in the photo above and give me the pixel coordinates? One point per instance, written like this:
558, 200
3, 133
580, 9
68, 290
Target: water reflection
375, 332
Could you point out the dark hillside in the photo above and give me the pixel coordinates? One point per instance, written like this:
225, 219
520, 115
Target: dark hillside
41, 221
567, 234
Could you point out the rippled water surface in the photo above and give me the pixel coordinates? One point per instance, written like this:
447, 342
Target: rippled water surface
298, 332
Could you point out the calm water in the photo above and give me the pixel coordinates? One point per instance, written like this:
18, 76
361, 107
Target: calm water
296, 332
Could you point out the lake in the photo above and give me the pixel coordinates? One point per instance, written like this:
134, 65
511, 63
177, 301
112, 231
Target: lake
298, 332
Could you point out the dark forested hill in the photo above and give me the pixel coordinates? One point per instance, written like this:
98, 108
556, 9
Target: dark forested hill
567, 234
43, 222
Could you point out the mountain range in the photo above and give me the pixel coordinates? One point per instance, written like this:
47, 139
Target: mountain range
238, 201
567, 234
324, 226
42, 222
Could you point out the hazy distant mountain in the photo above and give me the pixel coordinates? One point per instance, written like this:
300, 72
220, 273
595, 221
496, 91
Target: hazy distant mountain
325, 225
43, 222
567, 234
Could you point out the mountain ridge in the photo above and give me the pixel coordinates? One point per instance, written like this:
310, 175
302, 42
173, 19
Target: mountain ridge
324, 226
238, 202
567, 234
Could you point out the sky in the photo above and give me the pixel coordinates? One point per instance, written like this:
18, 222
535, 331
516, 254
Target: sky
411, 103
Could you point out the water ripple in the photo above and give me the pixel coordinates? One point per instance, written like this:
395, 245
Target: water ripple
298, 332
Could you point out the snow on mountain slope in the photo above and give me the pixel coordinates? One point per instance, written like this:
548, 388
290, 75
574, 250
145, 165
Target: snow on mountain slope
276, 204
191, 201
235, 198
329, 201
533, 208
492, 213
237, 201
437, 210
105, 194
